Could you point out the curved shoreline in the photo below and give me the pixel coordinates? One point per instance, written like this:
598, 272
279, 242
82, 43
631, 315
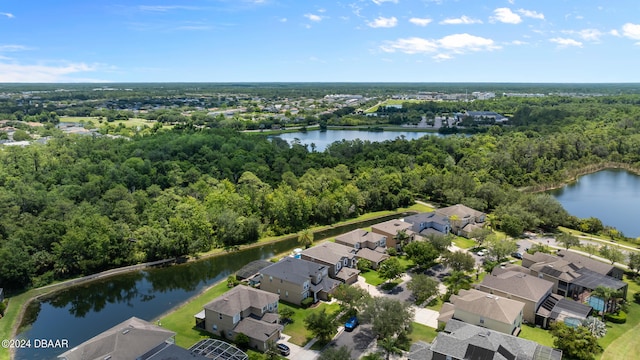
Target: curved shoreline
574, 175
53, 288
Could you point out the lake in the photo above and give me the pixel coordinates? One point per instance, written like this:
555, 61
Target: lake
609, 195
322, 139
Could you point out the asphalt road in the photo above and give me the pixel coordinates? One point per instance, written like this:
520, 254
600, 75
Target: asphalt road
357, 340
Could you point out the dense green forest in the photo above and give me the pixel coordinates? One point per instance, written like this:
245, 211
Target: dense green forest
80, 204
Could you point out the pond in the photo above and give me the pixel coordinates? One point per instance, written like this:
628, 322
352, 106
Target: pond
82, 312
609, 195
322, 139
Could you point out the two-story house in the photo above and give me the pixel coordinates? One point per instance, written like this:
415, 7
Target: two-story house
573, 275
294, 280
462, 341
463, 219
429, 223
366, 244
486, 310
340, 259
131, 339
396, 231
245, 310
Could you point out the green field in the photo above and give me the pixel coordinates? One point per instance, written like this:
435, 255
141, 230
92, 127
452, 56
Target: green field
422, 333
133, 122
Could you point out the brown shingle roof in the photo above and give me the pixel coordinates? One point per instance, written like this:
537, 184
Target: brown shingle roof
488, 306
517, 283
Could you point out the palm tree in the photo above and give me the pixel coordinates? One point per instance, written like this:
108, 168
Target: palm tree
305, 238
402, 238
390, 346
605, 294
456, 281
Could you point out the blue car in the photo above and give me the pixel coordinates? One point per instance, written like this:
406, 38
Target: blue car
351, 324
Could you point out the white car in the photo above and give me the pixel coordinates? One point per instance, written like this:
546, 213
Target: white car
482, 253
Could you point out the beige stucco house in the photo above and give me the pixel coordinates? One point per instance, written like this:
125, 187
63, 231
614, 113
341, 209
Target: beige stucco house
390, 229
246, 310
486, 310
366, 245
294, 280
340, 260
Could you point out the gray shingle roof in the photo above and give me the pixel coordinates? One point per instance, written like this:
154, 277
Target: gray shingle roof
459, 210
294, 270
241, 298
128, 340
329, 252
516, 283
465, 341
583, 261
256, 329
359, 236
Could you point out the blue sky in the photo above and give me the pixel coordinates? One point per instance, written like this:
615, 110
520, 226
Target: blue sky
326, 41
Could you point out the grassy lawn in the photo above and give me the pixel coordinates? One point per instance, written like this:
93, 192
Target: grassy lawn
422, 333
616, 342
299, 334
538, 335
435, 304
372, 277
182, 322
603, 238
463, 243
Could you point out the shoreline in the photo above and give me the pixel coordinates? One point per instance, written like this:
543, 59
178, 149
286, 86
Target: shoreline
575, 175
53, 288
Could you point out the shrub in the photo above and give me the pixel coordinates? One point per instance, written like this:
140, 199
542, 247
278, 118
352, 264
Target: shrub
636, 297
392, 251
3, 307
306, 302
619, 318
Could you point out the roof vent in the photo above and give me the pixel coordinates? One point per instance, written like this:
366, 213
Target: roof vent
125, 332
107, 357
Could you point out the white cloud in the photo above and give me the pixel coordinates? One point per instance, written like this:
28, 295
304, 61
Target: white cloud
383, 22
313, 17
632, 31
505, 15
461, 20
379, 2
586, 34
565, 42
445, 47
166, 8
531, 14
9, 15
414, 45
15, 72
420, 21
442, 57
283, 20
13, 48
518, 42
614, 32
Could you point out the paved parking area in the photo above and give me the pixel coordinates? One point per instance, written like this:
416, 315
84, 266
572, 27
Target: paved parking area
358, 340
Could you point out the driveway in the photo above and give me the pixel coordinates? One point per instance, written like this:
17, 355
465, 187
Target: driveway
298, 352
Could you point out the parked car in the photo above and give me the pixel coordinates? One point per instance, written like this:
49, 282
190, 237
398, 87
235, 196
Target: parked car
284, 349
351, 324
482, 252
517, 255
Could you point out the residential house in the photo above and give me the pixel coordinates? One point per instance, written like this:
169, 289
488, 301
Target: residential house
463, 219
591, 264
486, 310
340, 259
462, 341
541, 306
429, 223
366, 244
571, 275
295, 280
245, 310
394, 230
132, 339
